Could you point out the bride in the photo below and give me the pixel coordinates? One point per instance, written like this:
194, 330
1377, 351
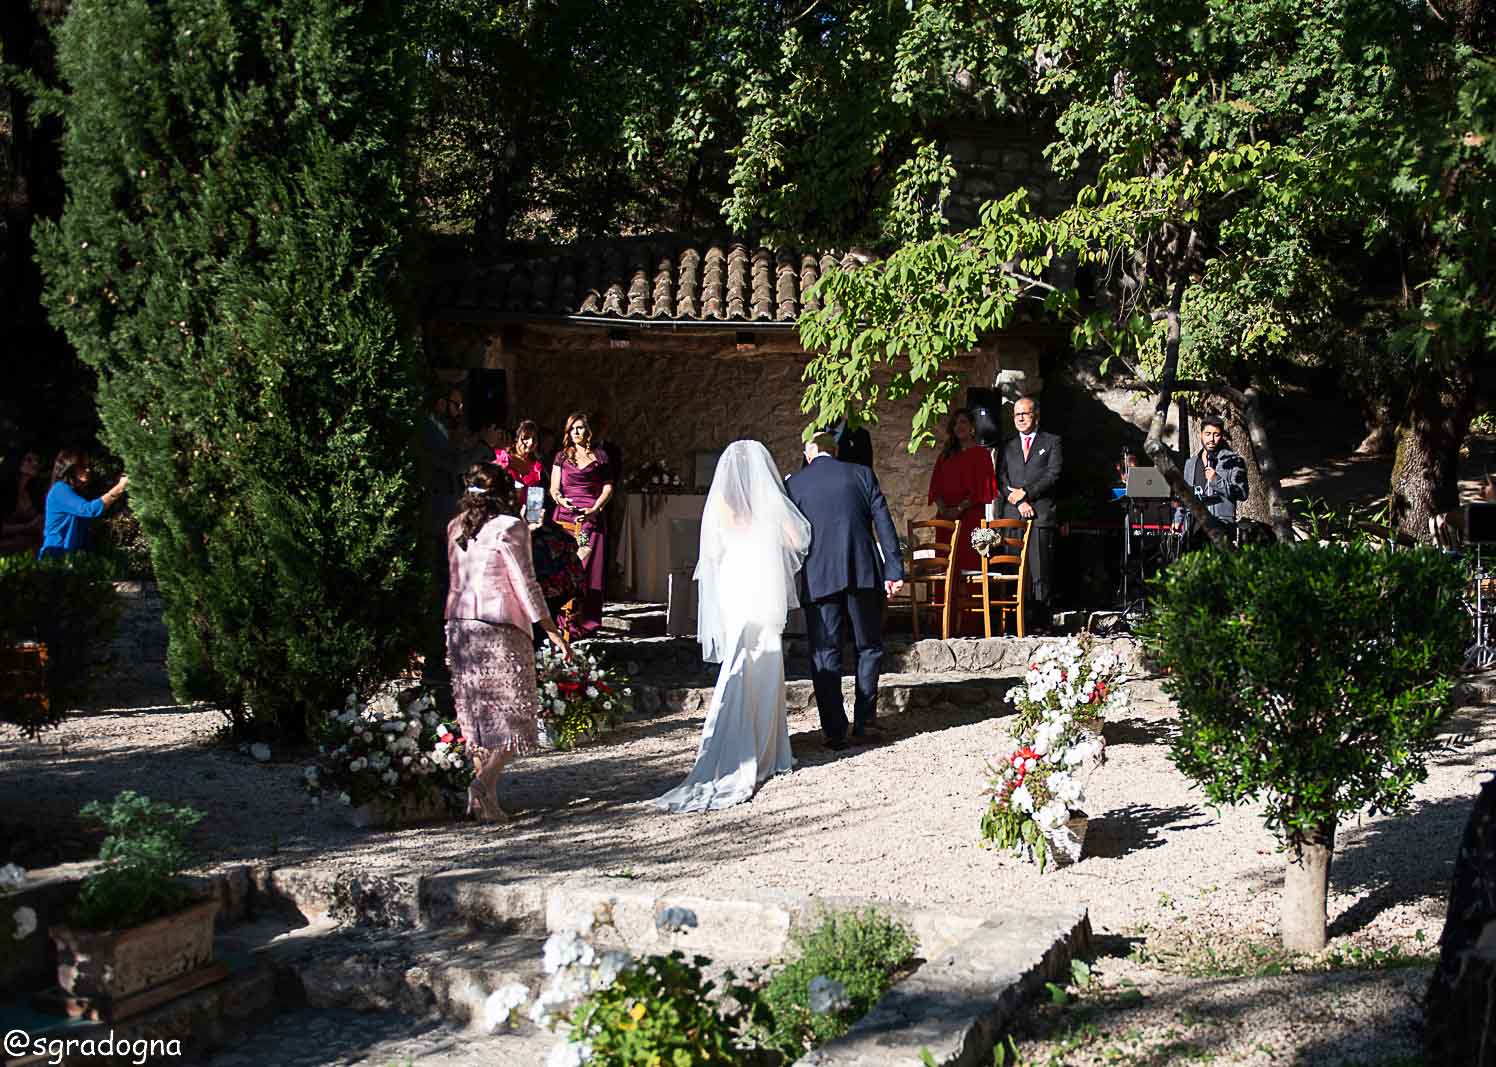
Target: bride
753, 541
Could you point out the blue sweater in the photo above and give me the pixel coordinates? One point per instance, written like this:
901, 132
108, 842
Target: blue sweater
68, 513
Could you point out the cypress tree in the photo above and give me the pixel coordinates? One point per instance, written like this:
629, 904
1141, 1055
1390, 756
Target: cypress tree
229, 263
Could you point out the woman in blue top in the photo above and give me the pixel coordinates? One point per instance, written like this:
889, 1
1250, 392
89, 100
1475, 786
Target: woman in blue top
68, 510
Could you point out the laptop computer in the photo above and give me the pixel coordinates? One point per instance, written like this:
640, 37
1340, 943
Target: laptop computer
1146, 483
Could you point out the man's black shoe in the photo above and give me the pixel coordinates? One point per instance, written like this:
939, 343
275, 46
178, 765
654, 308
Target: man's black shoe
836, 744
869, 729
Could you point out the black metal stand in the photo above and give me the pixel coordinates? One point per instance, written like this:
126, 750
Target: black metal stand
1481, 654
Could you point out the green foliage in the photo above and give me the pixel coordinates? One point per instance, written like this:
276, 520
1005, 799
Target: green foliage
658, 1011
144, 854
861, 950
1313, 678
67, 603
1319, 520
1245, 167
229, 263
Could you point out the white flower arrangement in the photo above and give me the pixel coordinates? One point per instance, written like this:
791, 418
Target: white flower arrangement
1038, 790
392, 745
577, 698
656, 476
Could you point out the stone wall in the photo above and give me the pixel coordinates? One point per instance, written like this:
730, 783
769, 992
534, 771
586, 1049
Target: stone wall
671, 392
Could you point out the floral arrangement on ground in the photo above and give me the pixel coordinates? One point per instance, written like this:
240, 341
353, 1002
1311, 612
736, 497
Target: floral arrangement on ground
1037, 792
579, 698
393, 746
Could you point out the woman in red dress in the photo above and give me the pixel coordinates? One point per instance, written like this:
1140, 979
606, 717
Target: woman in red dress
521, 460
963, 481
582, 485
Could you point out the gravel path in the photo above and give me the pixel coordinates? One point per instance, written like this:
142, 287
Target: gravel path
897, 821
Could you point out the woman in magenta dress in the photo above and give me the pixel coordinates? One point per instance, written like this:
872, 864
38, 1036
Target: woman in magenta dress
963, 482
582, 485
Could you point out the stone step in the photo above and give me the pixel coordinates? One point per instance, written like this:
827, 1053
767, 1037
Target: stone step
897, 694
446, 972
479, 933
659, 657
633, 620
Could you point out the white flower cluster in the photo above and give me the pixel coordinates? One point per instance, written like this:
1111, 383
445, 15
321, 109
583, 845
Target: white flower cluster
1063, 676
577, 697
393, 748
1066, 695
575, 969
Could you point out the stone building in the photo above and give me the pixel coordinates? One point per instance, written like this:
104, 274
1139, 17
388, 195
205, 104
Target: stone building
686, 344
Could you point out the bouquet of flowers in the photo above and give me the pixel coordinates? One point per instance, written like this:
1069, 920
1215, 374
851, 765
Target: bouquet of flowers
577, 698
653, 477
982, 539
1037, 791
392, 746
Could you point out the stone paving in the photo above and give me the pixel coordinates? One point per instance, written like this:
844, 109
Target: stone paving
339, 1037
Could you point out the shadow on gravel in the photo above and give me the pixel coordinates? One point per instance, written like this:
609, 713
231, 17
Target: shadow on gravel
1138, 827
1138, 731
1398, 860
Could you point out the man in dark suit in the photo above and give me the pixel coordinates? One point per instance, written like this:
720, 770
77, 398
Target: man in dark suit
1026, 478
843, 578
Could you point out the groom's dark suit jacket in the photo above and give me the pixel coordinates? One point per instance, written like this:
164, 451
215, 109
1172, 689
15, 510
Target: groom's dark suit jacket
843, 503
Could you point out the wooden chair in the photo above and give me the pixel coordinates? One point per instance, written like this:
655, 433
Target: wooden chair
1006, 568
932, 563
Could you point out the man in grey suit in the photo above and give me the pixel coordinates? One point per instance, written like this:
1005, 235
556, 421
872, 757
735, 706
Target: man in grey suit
1027, 475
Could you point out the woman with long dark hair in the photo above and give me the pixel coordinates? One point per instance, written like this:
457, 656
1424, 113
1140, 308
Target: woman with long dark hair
582, 485
493, 600
963, 482
69, 511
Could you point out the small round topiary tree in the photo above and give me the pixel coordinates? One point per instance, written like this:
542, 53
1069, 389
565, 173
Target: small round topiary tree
1314, 677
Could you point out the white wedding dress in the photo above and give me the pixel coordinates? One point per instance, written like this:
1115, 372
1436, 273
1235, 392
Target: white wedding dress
753, 541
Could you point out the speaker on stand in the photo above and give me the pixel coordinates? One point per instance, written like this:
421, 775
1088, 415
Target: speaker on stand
1480, 530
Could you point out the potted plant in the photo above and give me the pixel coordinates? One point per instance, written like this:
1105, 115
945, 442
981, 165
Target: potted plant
391, 760
577, 698
1037, 790
136, 928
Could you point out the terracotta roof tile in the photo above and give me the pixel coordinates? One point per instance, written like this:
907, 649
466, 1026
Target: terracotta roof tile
666, 277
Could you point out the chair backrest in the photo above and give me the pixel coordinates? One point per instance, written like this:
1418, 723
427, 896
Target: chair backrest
932, 545
1010, 553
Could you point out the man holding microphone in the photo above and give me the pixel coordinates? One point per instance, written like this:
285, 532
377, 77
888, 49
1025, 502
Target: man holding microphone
1218, 475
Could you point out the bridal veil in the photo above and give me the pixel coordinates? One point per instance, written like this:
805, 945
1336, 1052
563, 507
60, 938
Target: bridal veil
753, 543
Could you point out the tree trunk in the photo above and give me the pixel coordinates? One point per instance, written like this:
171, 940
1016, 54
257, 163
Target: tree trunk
1306, 888
1424, 479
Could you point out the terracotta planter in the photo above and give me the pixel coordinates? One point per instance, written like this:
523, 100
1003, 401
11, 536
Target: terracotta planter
383, 813
111, 965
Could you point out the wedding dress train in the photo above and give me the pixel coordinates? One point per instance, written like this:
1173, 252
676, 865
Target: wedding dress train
753, 541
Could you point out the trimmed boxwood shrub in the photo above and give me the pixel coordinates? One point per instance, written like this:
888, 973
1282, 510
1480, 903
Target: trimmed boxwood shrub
1312, 678
68, 603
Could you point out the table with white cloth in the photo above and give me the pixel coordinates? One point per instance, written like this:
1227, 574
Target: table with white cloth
658, 545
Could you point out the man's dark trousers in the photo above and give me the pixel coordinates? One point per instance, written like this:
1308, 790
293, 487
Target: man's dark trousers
825, 623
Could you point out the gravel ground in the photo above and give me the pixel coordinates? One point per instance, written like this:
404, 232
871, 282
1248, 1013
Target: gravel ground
1183, 899
896, 821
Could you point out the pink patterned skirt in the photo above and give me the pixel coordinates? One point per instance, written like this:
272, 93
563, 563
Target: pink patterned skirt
493, 685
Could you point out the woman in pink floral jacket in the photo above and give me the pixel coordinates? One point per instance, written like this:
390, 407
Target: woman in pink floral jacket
493, 600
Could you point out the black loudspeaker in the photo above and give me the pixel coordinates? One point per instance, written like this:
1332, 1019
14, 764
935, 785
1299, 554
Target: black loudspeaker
1480, 523
986, 406
486, 398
